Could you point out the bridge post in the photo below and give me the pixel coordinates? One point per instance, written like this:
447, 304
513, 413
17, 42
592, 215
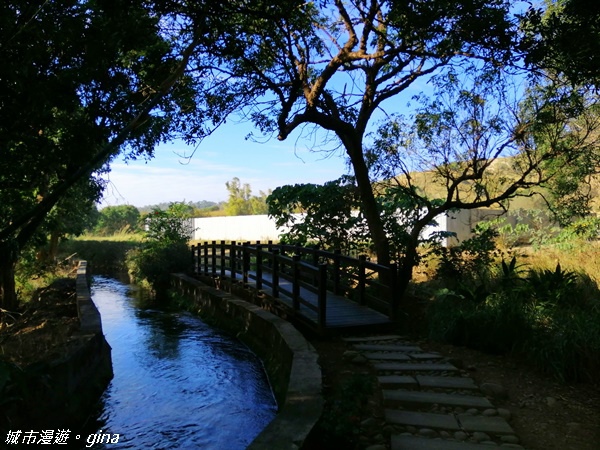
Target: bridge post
361, 279
336, 271
222, 259
232, 259
259, 268
275, 273
393, 293
296, 280
194, 258
205, 245
245, 262
270, 250
214, 258
322, 298
315, 261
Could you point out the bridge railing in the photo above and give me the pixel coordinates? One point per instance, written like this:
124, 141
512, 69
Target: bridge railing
310, 268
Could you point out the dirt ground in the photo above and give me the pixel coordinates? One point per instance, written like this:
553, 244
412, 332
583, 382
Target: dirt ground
545, 414
41, 330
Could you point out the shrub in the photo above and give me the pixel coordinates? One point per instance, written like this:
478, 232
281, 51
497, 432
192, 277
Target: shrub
552, 317
164, 250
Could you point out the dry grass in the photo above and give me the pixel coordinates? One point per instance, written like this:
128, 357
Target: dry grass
582, 258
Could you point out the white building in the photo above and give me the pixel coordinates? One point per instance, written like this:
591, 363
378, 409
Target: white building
263, 228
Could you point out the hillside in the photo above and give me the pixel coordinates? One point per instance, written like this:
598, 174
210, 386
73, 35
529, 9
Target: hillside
501, 169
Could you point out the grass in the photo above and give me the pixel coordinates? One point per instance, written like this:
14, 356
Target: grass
105, 254
544, 306
118, 237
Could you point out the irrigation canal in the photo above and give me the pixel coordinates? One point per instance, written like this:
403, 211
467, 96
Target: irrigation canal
178, 382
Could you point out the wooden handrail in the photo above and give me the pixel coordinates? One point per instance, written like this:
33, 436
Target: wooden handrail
304, 267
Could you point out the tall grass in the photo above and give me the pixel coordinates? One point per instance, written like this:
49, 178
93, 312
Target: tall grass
544, 305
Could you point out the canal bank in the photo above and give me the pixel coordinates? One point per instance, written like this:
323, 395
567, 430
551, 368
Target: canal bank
289, 359
60, 391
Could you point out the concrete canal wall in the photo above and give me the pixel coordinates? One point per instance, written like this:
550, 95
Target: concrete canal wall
62, 392
289, 359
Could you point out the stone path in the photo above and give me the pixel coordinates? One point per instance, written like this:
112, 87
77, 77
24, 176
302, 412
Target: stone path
429, 404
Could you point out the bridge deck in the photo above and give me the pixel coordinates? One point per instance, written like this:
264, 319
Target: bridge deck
341, 312
306, 284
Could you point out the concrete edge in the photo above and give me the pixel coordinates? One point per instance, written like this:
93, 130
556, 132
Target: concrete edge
89, 316
291, 362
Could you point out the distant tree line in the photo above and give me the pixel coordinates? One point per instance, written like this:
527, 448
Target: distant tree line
112, 220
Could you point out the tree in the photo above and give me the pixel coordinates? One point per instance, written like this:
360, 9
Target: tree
471, 144
333, 65
165, 249
476, 145
114, 219
565, 39
80, 80
330, 214
241, 202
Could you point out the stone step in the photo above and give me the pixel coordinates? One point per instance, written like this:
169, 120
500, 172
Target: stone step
387, 348
424, 356
420, 443
395, 397
493, 425
398, 381
416, 367
428, 381
372, 338
392, 356
422, 420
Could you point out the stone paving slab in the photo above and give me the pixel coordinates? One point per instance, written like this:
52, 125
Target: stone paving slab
397, 381
467, 401
372, 338
494, 425
391, 356
446, 382
420, 356
421, 420
416, 367
418, 443
387, 348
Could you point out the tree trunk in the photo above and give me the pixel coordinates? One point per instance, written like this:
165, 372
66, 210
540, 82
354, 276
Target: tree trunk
408, 263
53, 246
368, 202
8, 294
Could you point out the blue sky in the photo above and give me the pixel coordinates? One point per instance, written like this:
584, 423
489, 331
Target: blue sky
227, 154
218, 159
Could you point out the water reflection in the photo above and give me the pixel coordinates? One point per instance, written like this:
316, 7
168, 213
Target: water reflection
178, 382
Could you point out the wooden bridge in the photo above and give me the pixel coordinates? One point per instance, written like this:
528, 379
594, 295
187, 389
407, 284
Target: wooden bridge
324, 290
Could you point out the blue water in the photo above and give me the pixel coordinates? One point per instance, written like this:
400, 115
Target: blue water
178, 382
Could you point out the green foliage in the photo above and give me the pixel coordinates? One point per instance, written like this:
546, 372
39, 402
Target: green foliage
170, 226
330, 216
535, 228
117, 219
165, 249
241, 202
104, 256
332, 219
470, 262
80, 82
549, 316
494, 323
555, 29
